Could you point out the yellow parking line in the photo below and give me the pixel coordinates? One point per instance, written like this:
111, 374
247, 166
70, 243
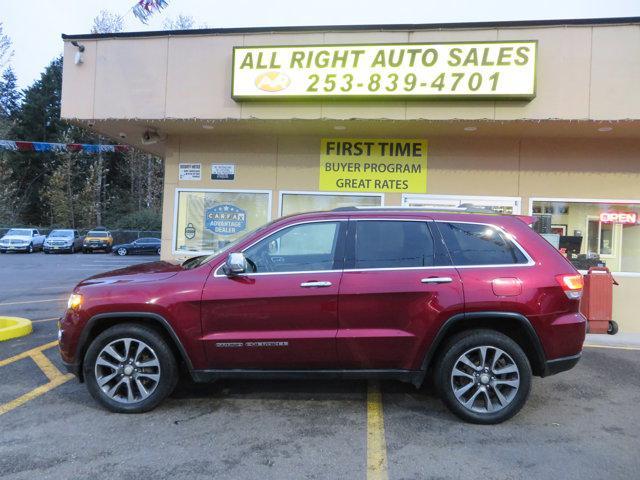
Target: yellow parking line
48, 368
376, 444
27, 353
35, 393
616, 347
33, 301
55, 376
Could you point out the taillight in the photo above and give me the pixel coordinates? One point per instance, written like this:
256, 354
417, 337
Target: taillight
571, 285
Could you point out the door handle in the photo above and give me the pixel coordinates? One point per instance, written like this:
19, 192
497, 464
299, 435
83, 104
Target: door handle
315, 284
437, 280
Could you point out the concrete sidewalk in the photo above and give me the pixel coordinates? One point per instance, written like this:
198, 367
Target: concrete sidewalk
618, 340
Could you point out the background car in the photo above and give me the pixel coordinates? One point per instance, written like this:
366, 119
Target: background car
21, 240
141, 246
68, 241
97, 239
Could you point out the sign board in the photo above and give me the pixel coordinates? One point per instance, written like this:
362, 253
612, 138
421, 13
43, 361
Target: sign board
411, 70
189, 171
373, 165
223, 171
625, 218
190, 231
225, 219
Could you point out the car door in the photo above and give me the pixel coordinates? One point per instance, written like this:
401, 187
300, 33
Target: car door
397, 289
283, 315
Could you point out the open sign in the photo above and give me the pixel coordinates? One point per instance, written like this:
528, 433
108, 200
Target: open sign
619, 217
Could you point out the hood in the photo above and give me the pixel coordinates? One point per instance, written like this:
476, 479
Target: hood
26, 238
144, 272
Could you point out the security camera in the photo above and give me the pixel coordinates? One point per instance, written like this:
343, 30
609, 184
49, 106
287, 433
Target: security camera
149, 137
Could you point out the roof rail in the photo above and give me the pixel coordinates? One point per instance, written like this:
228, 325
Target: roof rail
463, 208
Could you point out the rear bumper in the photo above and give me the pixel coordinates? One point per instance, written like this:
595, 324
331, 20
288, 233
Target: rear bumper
562, 364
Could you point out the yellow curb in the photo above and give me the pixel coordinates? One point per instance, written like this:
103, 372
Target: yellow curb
14, 327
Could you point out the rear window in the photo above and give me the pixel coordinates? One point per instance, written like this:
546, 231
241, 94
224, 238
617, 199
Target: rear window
478, 244
393, 244
98, 234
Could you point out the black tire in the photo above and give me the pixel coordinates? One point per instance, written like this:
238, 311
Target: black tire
158, 252
30, 249
168, 368
466, 341
3, 251
46, 252
613, 327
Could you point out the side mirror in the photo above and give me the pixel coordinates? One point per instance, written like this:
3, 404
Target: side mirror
236, 264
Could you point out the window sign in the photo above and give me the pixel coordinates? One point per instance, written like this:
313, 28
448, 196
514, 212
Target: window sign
503, 69
223, 171
225, 219
190, 171
208, 220
373, 165
628, 218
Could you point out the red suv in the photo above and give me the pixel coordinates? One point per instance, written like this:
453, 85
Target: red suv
481, 302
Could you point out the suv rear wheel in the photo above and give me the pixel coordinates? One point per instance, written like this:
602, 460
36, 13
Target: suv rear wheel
130, 369
483, 377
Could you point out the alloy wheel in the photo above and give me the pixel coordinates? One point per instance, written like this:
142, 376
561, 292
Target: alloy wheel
122, 251
127, 370
485, 379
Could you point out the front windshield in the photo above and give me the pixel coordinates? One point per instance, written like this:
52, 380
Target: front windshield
61, 233
19, 231
194, 262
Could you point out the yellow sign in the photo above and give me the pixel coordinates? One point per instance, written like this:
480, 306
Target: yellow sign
373, 165
490, 70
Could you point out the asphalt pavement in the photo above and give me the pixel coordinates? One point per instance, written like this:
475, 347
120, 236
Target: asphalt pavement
582, 424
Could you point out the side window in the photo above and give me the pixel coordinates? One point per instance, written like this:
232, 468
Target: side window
477, 244
299, 248
393, 244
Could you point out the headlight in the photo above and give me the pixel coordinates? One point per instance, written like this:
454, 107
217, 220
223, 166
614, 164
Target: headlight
75, 300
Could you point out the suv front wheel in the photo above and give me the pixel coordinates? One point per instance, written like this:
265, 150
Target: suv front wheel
130, 369
483, 377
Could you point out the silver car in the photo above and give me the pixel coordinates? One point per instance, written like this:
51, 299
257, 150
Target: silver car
68, 241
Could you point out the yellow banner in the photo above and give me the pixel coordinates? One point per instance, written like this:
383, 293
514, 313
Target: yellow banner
373, 165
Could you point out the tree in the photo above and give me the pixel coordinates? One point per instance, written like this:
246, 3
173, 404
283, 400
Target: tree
107, 22
181, 22
6, 50
9, 95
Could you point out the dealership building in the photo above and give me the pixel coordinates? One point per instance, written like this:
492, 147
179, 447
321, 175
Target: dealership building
533, 118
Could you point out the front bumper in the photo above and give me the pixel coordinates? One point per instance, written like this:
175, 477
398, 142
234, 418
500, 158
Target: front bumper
14, 248
94, 246
562, 364
57, 248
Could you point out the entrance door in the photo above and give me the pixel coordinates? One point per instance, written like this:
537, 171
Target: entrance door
503, 205
397, 288
285, 314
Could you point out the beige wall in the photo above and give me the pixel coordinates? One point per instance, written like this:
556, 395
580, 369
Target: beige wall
583, 72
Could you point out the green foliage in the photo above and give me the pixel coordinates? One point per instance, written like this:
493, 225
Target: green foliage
141, 220
9, 95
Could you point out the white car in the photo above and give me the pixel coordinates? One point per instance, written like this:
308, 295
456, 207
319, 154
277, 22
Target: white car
22, 240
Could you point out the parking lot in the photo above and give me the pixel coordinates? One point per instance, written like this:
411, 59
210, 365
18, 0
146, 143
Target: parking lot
582, 424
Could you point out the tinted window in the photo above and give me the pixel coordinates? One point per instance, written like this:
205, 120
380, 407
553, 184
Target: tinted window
299, 248
476, 244
393, 244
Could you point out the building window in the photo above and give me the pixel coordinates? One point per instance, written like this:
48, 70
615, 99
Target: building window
501, 205
207, 220
298, 202
592, 233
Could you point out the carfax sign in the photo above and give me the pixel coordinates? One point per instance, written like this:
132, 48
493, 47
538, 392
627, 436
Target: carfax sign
429, 70
225, 219
373, 165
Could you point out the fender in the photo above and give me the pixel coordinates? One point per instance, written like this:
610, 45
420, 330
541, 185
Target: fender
540, 358
157, 319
